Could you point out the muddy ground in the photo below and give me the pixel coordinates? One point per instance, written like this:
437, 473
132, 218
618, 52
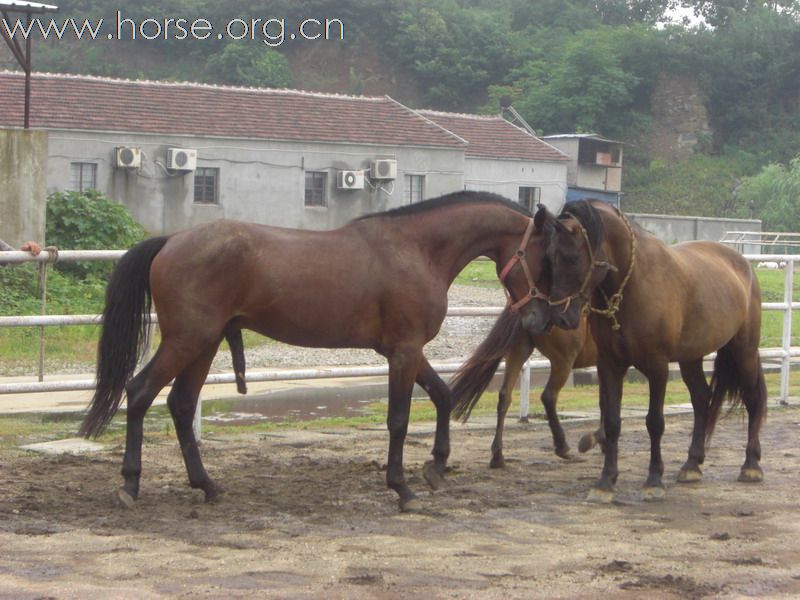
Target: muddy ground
307, 515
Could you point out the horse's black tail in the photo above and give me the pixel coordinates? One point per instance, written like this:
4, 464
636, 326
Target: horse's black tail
726, 384
233, 335
475, 375
124, 333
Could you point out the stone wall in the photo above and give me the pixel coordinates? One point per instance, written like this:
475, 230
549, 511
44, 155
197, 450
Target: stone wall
680, 118
23, 185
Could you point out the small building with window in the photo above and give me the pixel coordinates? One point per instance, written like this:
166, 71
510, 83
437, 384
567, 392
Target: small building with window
179, 154
503, 158
595, 166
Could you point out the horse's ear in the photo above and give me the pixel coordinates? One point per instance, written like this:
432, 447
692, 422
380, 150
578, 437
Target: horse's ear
540, 217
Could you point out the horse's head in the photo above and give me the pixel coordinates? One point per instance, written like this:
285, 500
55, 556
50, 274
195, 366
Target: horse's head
575, 264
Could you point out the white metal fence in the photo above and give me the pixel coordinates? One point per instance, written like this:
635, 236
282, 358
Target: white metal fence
784, 353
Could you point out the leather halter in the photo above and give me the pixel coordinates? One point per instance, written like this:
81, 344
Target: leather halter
518, 257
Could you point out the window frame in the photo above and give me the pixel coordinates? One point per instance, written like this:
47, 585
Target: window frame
321, 189
82, 168
529, 202
408, 187
215, 189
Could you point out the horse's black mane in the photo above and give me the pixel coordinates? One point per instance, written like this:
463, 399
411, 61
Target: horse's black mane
463, 197
587, 215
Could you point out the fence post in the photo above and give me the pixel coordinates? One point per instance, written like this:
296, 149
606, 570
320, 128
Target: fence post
198, 419
525, 392
43, 312
786, 334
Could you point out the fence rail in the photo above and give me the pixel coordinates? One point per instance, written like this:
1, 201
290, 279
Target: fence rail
785, 352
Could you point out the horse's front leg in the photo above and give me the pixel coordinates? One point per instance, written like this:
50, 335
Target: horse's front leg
657, 377
610, 377
439, 393
403, 367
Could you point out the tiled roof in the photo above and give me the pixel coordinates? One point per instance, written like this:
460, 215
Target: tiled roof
105, 104
494, 137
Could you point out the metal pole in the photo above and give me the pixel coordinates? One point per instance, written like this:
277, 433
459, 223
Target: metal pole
786, 334
27, 67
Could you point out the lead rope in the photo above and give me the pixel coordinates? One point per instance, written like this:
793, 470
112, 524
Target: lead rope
613, 303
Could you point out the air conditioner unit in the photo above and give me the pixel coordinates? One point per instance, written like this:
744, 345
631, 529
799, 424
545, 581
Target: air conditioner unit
181, 159
383, 168
128, 158
350, 180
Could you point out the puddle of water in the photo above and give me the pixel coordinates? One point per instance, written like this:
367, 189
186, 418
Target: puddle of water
302, 404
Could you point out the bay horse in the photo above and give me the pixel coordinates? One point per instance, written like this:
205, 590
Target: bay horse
565, 349
650, 304
378, 282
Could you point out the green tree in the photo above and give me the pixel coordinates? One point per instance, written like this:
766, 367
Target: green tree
599, 80
720, 13
249, 63
774, 196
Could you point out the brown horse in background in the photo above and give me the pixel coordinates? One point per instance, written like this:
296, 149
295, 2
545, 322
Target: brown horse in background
651, 304
379, 282
566, 350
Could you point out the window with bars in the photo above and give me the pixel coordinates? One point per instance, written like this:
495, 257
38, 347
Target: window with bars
82, 176
529, 197
206, 185
316, 188
413, 188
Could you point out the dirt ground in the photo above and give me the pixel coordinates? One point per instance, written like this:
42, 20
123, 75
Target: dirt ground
307, 515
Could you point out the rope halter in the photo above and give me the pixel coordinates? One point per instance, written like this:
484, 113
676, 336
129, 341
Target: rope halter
613, 302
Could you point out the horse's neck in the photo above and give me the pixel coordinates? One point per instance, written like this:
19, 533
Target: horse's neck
457, 240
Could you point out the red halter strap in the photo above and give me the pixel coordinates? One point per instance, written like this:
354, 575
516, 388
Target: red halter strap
517, 258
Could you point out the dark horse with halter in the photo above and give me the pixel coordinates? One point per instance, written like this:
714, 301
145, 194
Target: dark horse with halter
650, 304
379, 282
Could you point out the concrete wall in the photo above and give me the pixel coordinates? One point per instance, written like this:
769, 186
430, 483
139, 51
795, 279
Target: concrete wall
260, 181
23, 165
505, 177
674, 229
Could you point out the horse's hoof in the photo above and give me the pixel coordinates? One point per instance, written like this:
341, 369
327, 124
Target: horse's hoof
751, 475
410, 505
497, 462
586, 443
213, 493
654, 493
564, 453
600, 496
123, 499
432, 475
692, 475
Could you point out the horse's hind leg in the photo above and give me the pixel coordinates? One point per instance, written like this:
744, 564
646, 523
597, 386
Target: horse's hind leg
754, 396
559, 373
522, 349
700, 393
182, 402
141, 391
440, 396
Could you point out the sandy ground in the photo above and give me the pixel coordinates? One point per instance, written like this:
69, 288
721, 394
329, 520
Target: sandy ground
307, 515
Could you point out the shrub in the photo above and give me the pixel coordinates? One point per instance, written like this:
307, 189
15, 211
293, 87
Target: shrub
89, 221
